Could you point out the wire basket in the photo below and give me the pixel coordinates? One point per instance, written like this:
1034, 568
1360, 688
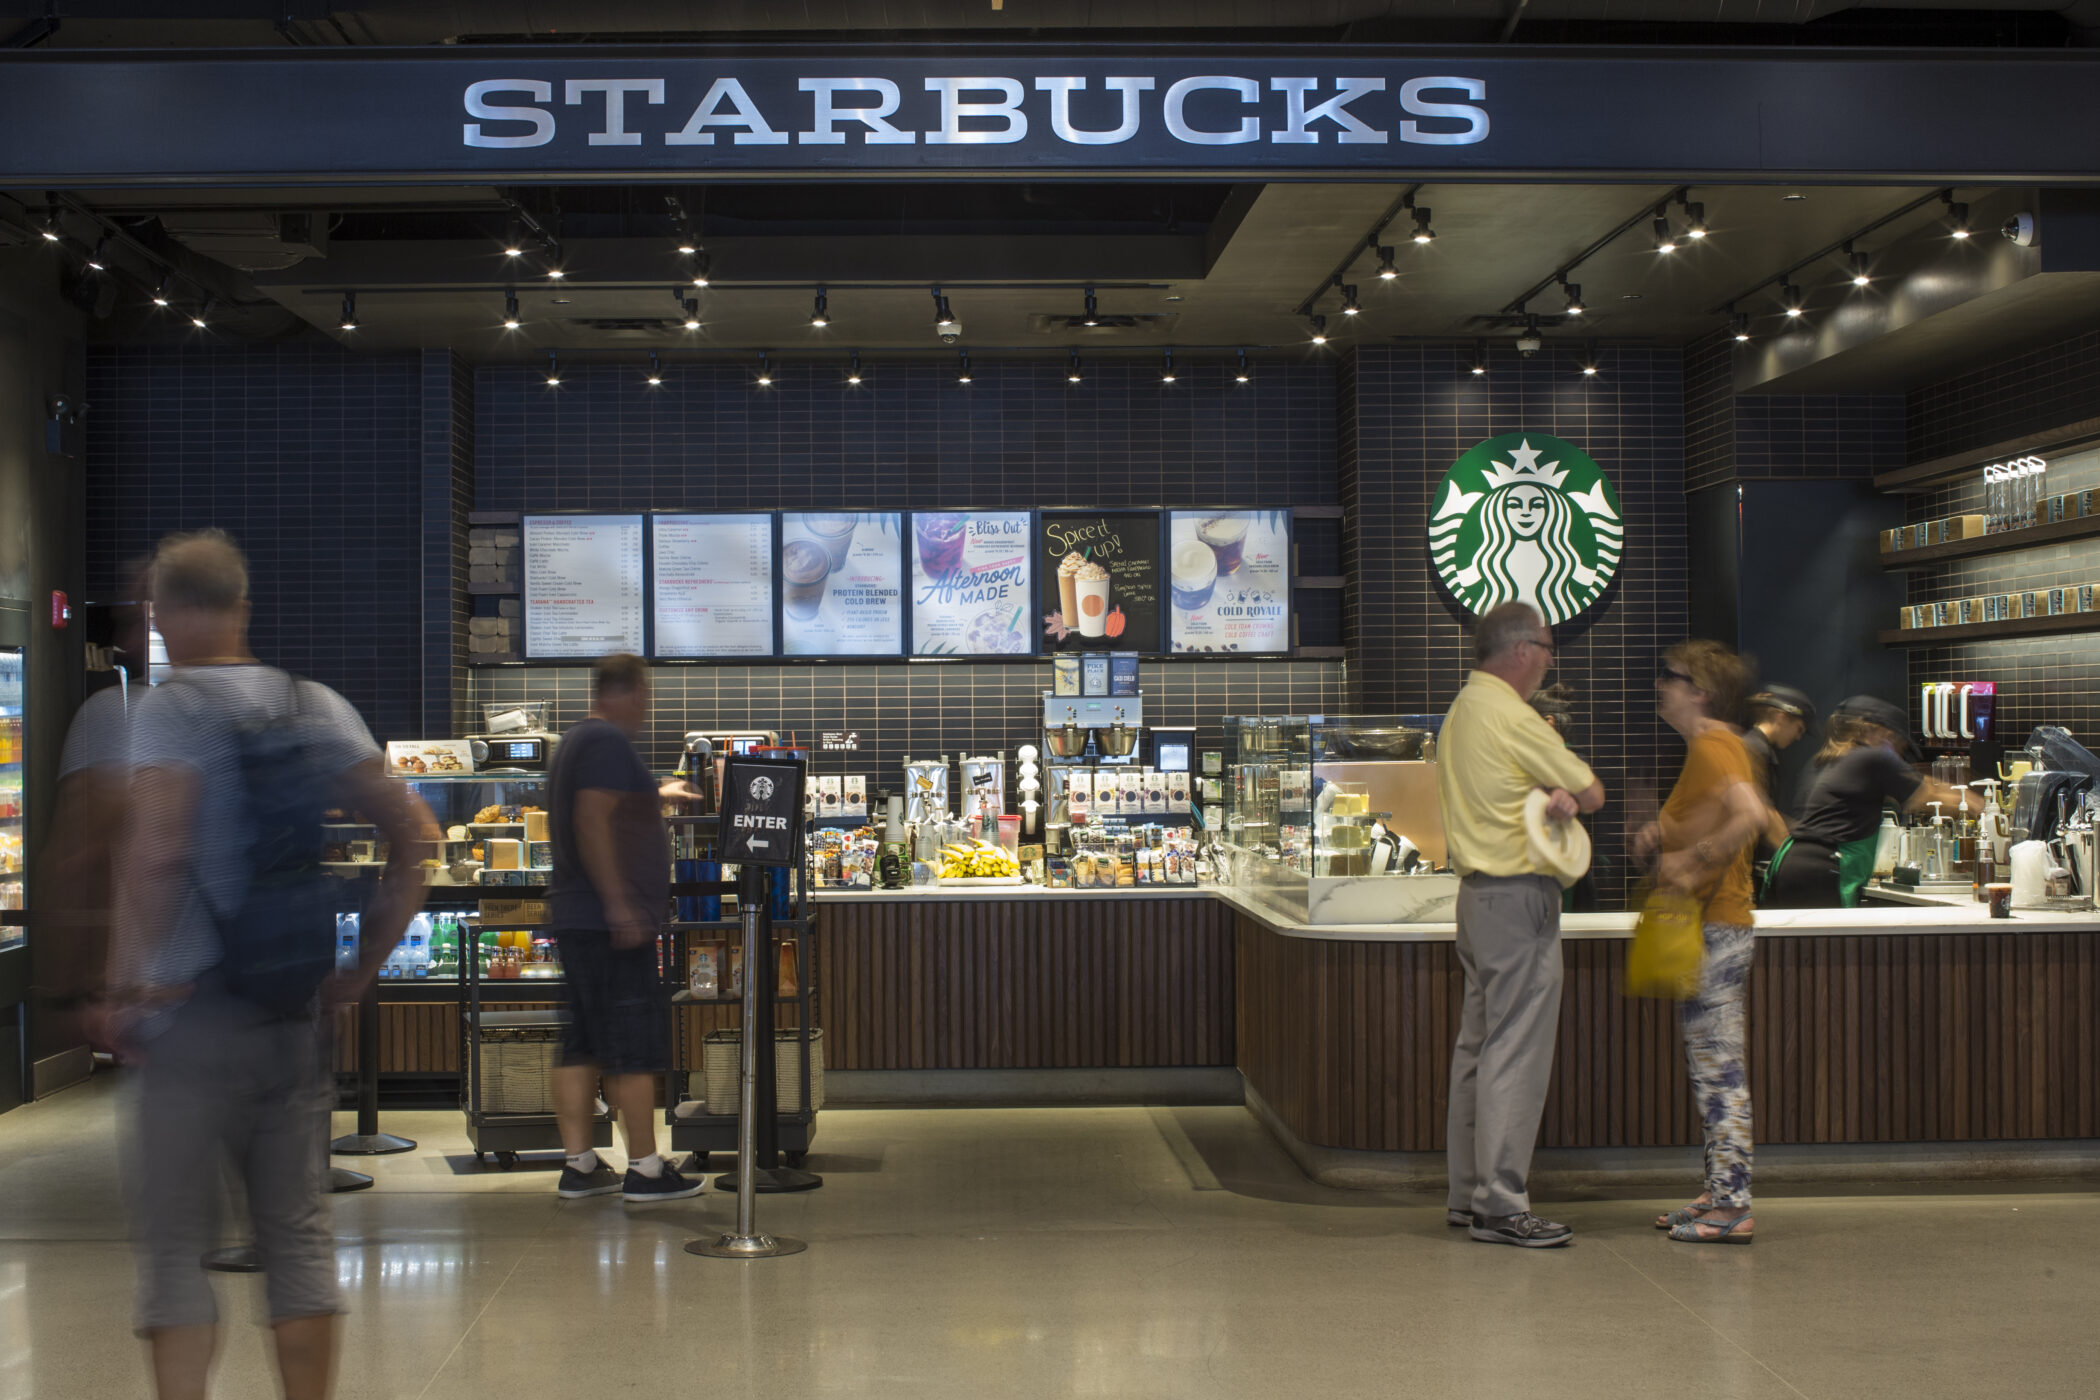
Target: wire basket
517, 1068
718, 1060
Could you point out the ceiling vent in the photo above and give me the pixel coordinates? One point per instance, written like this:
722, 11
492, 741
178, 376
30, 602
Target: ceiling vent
1105, 326
253, 241
652, 328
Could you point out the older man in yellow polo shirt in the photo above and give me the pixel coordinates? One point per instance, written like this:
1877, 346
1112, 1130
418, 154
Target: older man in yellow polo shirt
1493, 753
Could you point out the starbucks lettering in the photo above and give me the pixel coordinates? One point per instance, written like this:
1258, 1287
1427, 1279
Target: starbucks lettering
1106, 568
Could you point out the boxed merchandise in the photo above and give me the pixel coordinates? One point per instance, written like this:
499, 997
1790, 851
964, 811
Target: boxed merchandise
855, 802
2054, 607
2053, 512
1944, 614
1970, 610
1131, 786
1155, 793
1079, 795
831, 790
1892, 540
2085, 598
513, 913
1064, 675
2088, 502
1966, 527
1122, 673
1093, 675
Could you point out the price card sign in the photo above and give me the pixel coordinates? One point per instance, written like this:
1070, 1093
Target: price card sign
841, 583
712, 585
1106, 571
1228, 574
583, 586
969, 581
762, 811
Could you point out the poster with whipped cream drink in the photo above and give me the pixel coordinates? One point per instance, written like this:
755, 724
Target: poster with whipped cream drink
1101, 580
1228, 575
842, 583
969, 583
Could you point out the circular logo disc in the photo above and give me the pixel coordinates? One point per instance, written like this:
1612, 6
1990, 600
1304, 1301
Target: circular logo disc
1526, 518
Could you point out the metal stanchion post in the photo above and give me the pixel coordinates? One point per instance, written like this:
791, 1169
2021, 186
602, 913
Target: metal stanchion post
747, 1242
368, 1141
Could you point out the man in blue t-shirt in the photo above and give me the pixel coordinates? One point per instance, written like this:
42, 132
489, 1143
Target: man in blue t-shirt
611, 887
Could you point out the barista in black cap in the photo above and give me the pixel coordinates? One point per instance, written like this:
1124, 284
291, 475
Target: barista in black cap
1863, 765
1779, 716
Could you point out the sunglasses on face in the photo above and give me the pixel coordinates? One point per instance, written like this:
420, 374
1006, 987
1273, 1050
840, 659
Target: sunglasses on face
1667, 674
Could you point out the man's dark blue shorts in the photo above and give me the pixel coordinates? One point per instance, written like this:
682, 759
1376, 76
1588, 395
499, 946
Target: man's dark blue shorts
619, 1012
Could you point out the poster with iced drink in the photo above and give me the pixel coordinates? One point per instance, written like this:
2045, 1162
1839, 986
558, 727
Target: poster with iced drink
1101, 583
1228, 573
969, 583
841, 583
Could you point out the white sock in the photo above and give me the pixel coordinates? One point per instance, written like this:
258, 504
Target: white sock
650, 1166
585, 1161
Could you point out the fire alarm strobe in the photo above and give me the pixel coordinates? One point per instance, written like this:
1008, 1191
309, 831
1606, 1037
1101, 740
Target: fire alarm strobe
762, 811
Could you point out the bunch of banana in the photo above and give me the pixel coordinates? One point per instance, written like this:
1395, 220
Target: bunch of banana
977, 861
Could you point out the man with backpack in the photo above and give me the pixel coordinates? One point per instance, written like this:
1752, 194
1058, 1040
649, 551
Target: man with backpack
223, 948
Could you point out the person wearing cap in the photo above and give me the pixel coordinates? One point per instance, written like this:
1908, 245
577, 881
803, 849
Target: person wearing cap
1701, 841
1779, 716
1495, 755
1864, 764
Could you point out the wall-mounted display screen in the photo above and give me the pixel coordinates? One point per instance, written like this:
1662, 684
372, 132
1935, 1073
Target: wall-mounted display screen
842, 583
1100, 572
712, 585
583, 585
969, 583
1229, 577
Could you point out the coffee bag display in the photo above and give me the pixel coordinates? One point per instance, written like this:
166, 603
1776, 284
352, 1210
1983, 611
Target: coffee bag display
1107, 570
970, 583
1230, 577
841, 584
714, 584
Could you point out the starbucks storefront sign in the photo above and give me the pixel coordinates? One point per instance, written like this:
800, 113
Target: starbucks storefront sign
1526, 518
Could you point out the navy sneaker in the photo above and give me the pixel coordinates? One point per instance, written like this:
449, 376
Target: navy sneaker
575, 1185
667, 1185
1525, 1230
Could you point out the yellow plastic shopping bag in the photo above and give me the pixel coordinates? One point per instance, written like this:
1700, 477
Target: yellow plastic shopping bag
1668, 947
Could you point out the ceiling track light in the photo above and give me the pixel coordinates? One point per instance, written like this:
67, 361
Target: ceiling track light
1589, 360
1957, 214
1072, 368
853, 370
1241, 375
513, 245
1740, 320
555, 274
50, 230
962, 367
1387, 272
1479, 365
1166, 371
1350, 305
349, 311
160, 293
1423, 234
95, 259
1860, 275
820, 314
1574, 295
656, 370
511, 319
1694, 215
1665, 239
553, 370
201, 319
702, 265
1319, 329
688, 310
943, 318
765, 369
1790, 299
1093, 310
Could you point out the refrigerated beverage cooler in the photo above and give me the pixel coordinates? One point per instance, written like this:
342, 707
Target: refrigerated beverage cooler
14, 863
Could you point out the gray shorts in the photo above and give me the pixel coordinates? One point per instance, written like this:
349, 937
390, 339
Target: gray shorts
229, 1092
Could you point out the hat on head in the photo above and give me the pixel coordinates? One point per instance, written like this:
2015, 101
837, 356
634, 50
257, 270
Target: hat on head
1874, 710
1788, 701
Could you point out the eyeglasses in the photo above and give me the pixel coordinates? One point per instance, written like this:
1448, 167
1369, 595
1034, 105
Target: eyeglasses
1669, 675
1546, 647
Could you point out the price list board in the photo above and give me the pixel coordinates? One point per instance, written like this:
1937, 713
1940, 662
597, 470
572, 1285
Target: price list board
584, 594
712, 579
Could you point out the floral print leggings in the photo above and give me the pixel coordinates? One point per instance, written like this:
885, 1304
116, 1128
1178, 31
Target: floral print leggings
1716, 1054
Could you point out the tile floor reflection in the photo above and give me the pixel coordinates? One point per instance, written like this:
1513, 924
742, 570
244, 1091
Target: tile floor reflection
1122, 1252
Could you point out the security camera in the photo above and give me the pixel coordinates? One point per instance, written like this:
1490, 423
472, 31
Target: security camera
951, 333
1529, 343
2020, 229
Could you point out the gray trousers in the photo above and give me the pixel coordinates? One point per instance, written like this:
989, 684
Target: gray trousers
1509, 945
226, 1086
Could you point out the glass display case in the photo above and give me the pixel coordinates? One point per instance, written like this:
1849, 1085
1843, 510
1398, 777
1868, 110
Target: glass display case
1335, 818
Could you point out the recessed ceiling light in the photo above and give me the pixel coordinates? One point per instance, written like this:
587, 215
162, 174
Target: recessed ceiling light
561, 301
1793, 197
1173, 298
1629, 296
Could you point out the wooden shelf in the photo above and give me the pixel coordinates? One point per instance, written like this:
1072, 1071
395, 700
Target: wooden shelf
2005, 542
500, 590
1923, 476
2058, 625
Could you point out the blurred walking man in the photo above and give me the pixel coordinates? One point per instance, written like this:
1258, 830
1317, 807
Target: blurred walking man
215, 974
1493, 753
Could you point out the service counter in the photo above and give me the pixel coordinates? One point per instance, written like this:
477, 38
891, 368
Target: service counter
1876, 1025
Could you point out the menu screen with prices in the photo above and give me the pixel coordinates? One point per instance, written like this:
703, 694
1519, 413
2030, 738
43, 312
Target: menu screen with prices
713, 585
583, 586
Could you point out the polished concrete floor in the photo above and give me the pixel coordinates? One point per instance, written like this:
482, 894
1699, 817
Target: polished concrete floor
1076, 1252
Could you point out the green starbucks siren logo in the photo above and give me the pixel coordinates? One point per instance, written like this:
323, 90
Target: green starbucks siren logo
1526, 518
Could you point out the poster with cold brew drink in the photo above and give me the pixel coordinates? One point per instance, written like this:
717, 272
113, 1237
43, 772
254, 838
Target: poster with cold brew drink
1228, 577
969, 583
713, 585
583, 586
842, 583
1101, 580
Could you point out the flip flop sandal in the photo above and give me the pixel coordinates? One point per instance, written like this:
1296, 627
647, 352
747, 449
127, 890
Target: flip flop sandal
1688, 1232
1680, 1216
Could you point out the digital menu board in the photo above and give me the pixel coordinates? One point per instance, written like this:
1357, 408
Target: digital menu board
841, 583
583, 586
969, 583
1228, 576
712, 579
1100, 573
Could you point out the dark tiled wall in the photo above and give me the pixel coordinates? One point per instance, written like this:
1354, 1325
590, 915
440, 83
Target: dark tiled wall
1785, 437
447, 452
909, 437
2008, 398
311, 459
922, 709
1709, 411
1416, 409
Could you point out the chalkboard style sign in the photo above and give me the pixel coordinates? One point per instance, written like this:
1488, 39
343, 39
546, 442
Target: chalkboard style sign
762, 815
1100, 573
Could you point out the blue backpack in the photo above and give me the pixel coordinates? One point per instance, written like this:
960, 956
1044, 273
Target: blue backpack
279, 944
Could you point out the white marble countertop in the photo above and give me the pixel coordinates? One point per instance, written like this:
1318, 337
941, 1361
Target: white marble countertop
1962, 916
